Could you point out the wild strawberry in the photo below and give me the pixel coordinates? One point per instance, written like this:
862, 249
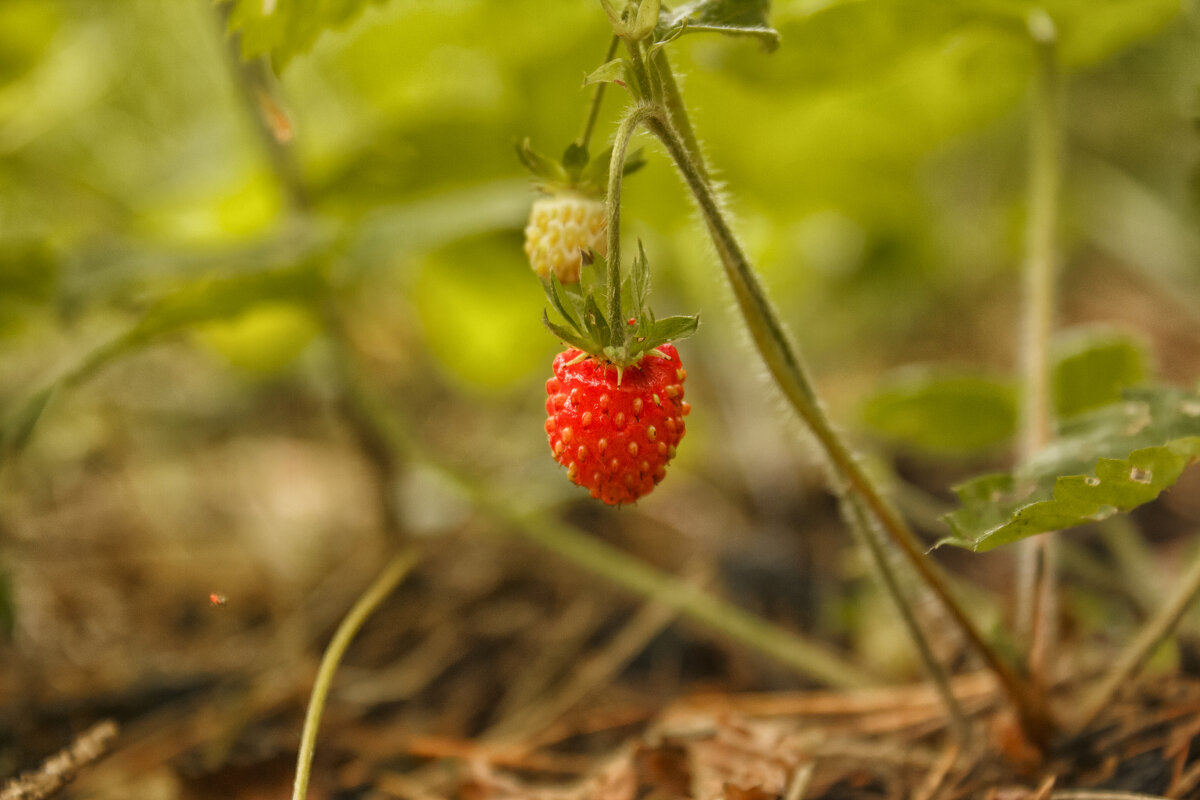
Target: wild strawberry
571, 221
615, 404
561, 229
616, 438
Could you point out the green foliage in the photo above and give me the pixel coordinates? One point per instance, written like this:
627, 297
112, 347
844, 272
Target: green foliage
730, 17
1103, 463
953, 412
944, 411
1092, 366
201, 301
283, 29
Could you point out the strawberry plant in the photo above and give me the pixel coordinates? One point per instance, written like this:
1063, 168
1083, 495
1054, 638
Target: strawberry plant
324, 193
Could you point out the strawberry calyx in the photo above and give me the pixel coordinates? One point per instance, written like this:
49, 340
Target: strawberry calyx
576, 172
629, 332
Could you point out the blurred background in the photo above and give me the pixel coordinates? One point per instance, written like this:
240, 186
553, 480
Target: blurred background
195, 507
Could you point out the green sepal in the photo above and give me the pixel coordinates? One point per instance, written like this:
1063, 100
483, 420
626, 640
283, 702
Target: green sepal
595, 320
574, 160
646, 20
615, 340
596, 173
567, 335
668, 329
555, 291
547, 172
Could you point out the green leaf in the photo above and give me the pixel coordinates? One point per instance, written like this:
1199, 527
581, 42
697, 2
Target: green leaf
19, 428
943, 411
209, 298
1092, 366
618, 71
1106, 462
283, 29
730, 17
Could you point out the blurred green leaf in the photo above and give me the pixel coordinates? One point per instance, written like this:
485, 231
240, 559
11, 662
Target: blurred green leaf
18, 427
264, 338
1106, 462
944, 411
478, 306
731, 17
282, 29
210, 298
1092, 366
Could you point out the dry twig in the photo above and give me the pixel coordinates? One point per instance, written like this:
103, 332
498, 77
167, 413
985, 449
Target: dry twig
61, 768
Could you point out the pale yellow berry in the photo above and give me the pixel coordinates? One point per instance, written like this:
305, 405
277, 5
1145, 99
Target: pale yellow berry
559, 230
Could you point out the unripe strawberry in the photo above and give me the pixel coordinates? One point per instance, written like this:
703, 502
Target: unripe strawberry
616, 435
561, 228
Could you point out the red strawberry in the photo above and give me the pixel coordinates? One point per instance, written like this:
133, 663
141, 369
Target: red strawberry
615, 402
616, 437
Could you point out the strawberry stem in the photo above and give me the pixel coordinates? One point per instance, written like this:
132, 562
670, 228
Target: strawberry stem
616, 172
779, 354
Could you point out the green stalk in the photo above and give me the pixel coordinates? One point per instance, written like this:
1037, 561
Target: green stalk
1037, 608
589, 124
676, 111
1140, 650
776, 349
616, 172
873, 542
376, 593
649, 88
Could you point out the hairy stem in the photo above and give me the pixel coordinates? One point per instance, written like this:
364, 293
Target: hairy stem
636, 116
676, 110
775, 347
650, 89
1037, 607
1139, 651
376, 593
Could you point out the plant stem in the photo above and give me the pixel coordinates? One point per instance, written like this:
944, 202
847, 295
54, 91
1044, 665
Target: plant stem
676, 110
1037, 607
649, 88
589, 124
395, 571
636, 116
1139, 651
807, 658
256, 88
870, 538
776, 349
